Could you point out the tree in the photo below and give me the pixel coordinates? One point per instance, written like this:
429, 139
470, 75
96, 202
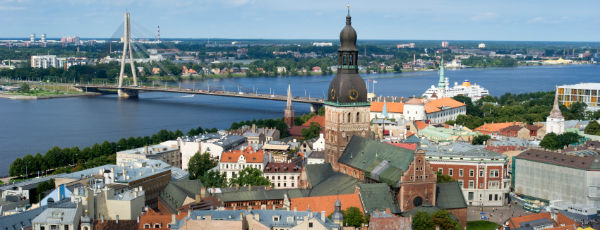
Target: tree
249, 176
442, 219
443, 178
422, 221
214, 179
550, 141
41, 189
480, 139
313, 131
568, 138
24, 88
353, 217
593, 128
199, 164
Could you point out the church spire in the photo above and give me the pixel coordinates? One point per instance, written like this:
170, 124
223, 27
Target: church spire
442, 82
288, 115
555, 113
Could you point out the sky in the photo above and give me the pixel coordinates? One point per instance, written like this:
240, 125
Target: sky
514, 20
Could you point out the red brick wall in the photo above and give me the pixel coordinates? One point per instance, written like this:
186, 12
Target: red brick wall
419, 180
350, 171
461, 215
478, 182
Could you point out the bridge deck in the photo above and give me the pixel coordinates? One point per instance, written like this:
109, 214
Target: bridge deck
273, 97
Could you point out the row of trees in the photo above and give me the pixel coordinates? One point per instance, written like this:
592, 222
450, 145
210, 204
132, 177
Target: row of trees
527, 107
482, 62
277, 123
88, 157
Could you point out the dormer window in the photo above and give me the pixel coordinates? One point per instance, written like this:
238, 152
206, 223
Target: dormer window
275, 218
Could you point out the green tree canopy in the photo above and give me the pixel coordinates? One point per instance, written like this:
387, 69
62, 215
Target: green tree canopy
443, 178
422, 221
249, 176
442, 219
214, 179
480, 139
554, 142
313, 131
593, 128
199, 164
353, 217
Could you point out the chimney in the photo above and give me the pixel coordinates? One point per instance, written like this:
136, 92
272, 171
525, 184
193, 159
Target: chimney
138, 219
117, 219
249, 187
203, 193
323, 216
173, 219
198, 198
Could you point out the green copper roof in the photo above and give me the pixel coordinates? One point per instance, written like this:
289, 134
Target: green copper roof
449, 196
371, 156
177, 191
325, 181
377, 197
349, 104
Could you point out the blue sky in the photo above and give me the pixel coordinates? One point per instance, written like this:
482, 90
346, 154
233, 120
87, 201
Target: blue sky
532, 20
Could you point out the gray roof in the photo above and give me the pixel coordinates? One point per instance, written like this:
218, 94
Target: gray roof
316, 155
455, 149
531, 225
261, 194
64, 214
176, 192
231, 215
449, 196
583, 159
288, 219
23, 219
135, 171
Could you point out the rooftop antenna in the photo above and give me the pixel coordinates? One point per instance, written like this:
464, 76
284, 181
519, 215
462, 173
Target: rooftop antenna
158, 33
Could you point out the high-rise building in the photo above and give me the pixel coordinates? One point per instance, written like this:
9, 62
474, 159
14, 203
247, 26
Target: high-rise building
288, 116
346, 107
445, 44
32, 38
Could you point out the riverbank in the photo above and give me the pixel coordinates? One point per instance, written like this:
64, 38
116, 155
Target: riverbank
28, 97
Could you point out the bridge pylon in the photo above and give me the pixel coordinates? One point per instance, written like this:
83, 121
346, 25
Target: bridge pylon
127, 47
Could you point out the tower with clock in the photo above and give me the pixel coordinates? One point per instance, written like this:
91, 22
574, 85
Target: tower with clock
346, 108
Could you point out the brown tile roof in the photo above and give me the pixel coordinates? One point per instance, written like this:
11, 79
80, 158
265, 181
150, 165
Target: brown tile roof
248, 153
318, 119
296, 131
326, 203
392, 107
277, 167
586, 159
420, 125
112, 224
435, 105
511, 128
390, 223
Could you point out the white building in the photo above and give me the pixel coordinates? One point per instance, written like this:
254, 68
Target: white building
315, 157
167, 153
232, 162
44, 61
67, 62
212, 143
555, 122
481, 46
432, 110
283, 175
64, 217
588, 93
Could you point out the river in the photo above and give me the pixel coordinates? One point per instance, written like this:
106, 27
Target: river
32, 126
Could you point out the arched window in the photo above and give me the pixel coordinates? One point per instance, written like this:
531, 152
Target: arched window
357, 117
348, 117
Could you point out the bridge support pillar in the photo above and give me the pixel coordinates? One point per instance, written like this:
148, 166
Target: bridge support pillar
124, 93
314, 108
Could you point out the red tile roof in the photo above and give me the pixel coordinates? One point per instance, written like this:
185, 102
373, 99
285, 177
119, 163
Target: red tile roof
326, 203
494, 127
410, 146
248, 153
435, 105
420, 125
151, 217
561, 220
318, 119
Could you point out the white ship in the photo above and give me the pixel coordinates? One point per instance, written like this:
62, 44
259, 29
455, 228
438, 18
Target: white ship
474, 91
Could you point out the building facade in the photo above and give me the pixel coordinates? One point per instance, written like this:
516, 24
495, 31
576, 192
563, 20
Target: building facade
167, 153
583, 92
233, 162
346, 107
482, 174
44, 61
283, 175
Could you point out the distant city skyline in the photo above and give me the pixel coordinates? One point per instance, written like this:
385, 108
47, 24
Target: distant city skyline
510, 20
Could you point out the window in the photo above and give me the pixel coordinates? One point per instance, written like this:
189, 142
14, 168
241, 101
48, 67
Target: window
471, 195
460, 183
450, 172
471, 184
66, 227
495, 196
471, 173
441, 170
310, 224
276, 218
292, 184
494, 173
460, 172
157, 226
480, 173
490, 196
493, 184
284, 177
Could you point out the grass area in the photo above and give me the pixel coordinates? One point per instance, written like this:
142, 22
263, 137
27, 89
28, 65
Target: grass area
47, 90
482, 225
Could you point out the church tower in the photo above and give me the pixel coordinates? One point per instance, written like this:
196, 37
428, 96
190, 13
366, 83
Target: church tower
288, 114
555, 123
346, 108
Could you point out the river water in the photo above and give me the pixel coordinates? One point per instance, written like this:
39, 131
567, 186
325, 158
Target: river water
29, 127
